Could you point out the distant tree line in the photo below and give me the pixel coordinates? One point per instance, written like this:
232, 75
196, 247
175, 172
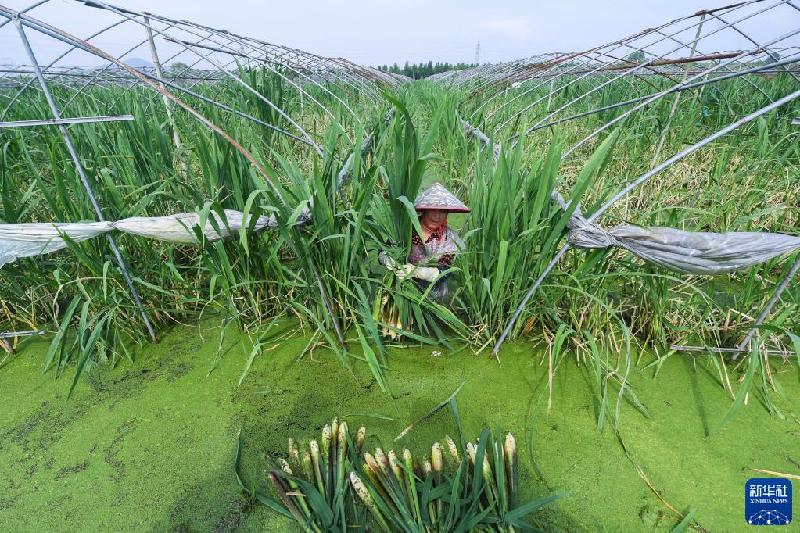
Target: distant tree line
418, 71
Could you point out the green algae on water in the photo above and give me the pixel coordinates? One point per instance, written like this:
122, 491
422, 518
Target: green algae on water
152, 445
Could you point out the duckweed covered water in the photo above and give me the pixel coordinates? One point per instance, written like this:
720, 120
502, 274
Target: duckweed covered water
152, 445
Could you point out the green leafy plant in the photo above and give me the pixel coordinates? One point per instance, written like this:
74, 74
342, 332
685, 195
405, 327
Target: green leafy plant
469, 487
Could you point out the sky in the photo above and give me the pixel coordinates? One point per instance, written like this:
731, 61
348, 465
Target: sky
376, 32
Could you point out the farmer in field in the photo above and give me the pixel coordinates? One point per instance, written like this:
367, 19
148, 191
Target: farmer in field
434, 250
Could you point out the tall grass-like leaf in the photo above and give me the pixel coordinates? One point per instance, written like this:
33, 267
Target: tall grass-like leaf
86, 351
754, 363
256, 349
56, 343
515, 516
600, 379
372, 360
585, 178
432, 412
686, 522
412, 213
796, 344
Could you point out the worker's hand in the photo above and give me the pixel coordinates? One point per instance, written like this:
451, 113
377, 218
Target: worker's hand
405, 271
428, 274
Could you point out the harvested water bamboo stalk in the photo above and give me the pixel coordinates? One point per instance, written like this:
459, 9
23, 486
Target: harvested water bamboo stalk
365, 496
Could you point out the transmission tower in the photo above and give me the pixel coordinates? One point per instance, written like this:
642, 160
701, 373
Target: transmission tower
478, 53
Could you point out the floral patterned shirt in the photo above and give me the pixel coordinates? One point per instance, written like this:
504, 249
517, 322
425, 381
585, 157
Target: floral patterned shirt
438, 249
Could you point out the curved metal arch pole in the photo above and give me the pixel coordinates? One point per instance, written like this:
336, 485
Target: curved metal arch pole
257, 46
662, 93
61, 35
323, 63
182, 23
84, 178
546, 96
516, 69
201, 44
339, 65
307, 65
320, 62
210, 77
98, 74
695, 85
590, 55
457, 78
220, 105
231, 38
212, 99
453, 79
627, 190
134, 82
730, 8
366, 84
616, 44
317, 84
29, 8
261, 97
545, 76
189, 67
499, 78
753, 41
363, 85
56, 60
634, 69
483, 78
488, 72
652, 70
335, 74
743, 346
583, 75
324, 108
728, 69
479, 79
368, 73
554, 91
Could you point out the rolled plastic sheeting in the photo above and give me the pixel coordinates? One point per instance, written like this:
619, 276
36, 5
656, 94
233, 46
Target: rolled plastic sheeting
178, 228
686, 251
683, 251
30, 240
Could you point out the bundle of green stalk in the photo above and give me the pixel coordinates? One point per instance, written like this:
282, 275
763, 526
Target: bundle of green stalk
471, 487
312, 485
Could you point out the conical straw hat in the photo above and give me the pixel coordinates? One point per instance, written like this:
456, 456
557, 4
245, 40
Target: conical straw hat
437, 197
